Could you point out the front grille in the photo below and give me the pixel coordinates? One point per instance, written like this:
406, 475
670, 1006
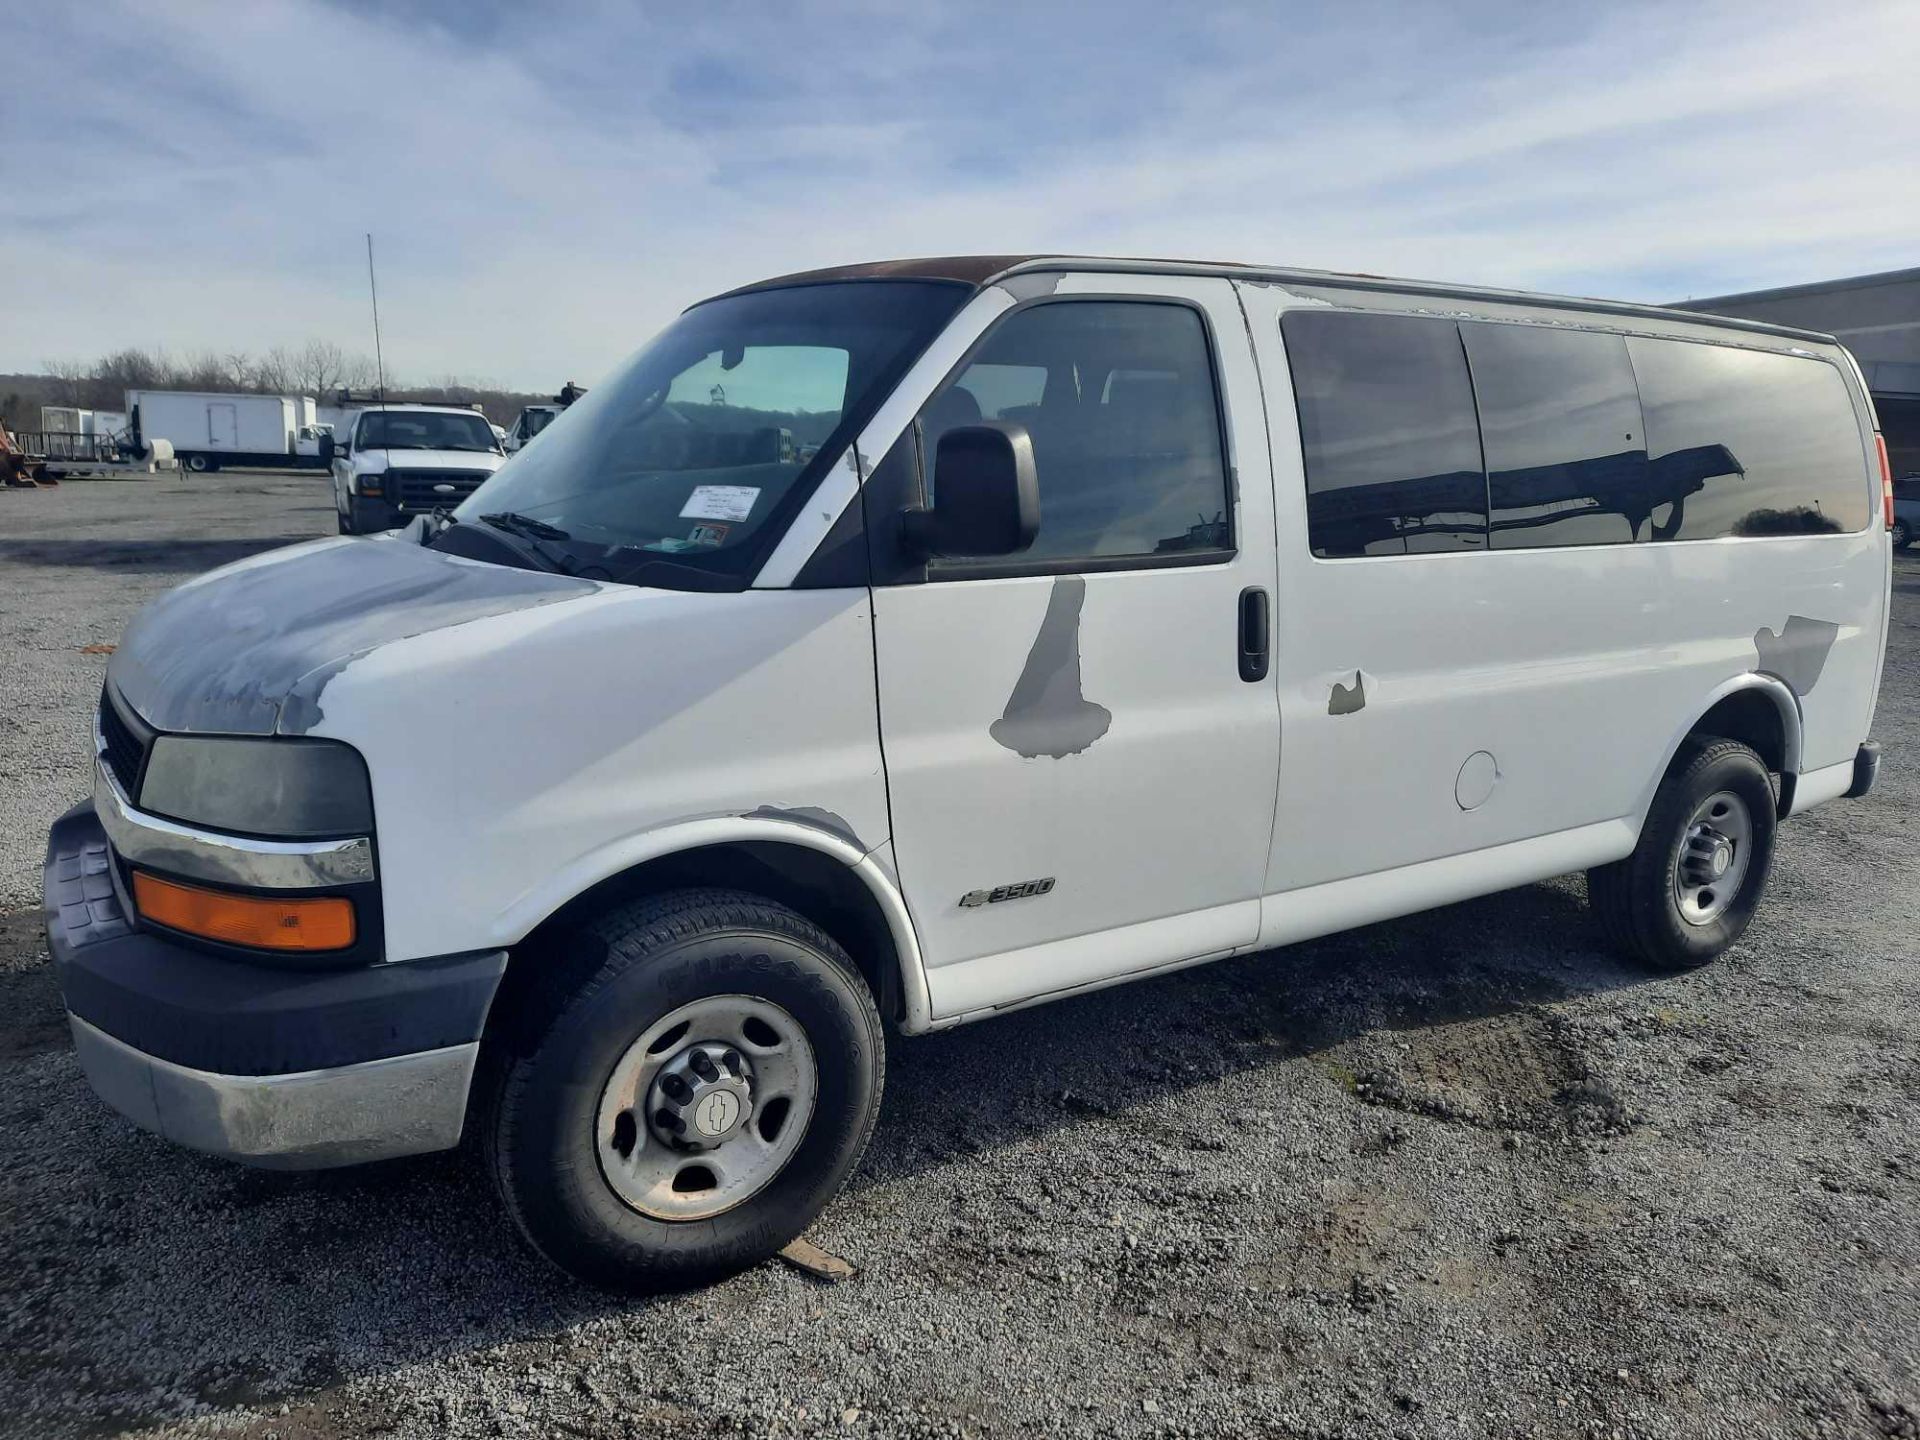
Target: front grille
428, 489
126, 747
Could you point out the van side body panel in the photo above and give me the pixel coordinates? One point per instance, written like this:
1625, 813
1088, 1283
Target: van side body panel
1523, 693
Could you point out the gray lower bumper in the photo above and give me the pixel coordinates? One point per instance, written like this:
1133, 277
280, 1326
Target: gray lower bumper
405, 1105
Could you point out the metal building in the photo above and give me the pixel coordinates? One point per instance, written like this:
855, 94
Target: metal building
1877, 317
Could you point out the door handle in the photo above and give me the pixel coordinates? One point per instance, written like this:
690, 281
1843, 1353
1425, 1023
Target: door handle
1255, 634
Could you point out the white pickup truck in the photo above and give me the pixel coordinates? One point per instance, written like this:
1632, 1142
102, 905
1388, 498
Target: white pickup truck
397, 461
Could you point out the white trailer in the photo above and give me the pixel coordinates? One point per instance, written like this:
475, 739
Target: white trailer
209, 430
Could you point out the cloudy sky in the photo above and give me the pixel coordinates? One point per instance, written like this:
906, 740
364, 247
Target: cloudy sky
547, 184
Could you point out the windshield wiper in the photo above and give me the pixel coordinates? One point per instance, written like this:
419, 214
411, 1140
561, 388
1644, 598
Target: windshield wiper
525, 525
533, 532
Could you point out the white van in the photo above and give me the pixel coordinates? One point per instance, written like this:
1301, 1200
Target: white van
904, 644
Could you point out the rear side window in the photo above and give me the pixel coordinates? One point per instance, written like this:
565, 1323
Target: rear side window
1560, 421
1748, 442
1119, 398
1387, 427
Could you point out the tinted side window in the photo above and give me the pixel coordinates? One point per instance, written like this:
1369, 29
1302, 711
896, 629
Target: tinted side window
1748, 442
1560, 422
1119, 399
1388, 430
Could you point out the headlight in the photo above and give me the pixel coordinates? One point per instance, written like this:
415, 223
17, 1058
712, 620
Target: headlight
286, 789
370, 484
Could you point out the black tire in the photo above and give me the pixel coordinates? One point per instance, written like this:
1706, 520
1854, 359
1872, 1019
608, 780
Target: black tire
1633, 899
625, 971
1902, 535
199, 464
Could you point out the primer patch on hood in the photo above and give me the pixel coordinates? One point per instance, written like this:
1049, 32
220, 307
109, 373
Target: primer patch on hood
248, 648
1047, 714
1798, 653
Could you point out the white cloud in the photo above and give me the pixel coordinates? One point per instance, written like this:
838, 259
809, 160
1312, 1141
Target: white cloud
546, 187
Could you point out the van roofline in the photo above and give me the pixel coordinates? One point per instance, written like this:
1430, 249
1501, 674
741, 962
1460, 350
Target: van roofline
980, 271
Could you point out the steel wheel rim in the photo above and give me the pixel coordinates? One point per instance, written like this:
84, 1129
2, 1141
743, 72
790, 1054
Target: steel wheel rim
686, 1174
1710, 866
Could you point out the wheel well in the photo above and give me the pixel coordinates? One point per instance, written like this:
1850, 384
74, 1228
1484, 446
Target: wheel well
1752, 718
809, 882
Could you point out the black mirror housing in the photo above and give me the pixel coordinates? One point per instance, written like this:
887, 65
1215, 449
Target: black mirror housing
327, 448
986, 494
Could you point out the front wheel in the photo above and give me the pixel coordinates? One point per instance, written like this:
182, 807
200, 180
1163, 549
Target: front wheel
1901, 534
693, 1099
1692, 884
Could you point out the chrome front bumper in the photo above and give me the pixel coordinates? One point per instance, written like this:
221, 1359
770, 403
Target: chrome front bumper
404, 1105
142, 839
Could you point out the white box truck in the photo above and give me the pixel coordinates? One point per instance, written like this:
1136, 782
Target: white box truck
209, 430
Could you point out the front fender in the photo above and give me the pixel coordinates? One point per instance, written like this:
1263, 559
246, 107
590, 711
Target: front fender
530, 909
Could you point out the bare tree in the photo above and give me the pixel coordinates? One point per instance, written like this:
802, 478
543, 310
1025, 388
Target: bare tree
273, 372
72, 380
318, 368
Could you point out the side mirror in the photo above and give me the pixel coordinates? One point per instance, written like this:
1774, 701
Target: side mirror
986, 497
327, 448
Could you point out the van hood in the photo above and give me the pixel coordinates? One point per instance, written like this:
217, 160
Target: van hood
247, 649
434, 459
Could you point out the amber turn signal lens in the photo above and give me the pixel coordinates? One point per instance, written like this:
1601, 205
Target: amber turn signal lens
263, 922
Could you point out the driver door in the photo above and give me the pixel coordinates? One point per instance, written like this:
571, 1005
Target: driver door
1081, 761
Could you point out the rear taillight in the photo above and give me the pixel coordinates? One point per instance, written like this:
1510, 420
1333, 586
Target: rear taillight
1886, 479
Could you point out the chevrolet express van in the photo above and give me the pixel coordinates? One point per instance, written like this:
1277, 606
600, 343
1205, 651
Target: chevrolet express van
903, 644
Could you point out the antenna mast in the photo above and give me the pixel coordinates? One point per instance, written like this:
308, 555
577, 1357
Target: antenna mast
379, 361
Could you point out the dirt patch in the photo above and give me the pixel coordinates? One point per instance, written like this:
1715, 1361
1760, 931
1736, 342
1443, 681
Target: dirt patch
32, 1019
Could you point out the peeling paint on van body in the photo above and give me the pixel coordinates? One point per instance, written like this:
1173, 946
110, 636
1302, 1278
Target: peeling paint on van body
1047, 715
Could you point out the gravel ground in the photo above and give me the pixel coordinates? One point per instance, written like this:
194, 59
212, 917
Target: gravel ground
1458, 1175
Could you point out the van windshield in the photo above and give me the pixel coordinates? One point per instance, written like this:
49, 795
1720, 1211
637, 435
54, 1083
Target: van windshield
699, 448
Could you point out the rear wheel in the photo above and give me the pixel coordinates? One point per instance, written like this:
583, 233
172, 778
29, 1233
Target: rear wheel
199, 464
1692, 884
1902, 534
692, 1098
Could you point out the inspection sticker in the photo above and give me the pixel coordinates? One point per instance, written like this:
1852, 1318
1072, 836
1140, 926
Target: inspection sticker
720, 502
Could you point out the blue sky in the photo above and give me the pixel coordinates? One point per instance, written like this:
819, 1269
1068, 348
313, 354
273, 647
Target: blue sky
548, 184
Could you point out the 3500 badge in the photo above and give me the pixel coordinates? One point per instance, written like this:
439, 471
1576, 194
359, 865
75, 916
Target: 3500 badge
1018, 891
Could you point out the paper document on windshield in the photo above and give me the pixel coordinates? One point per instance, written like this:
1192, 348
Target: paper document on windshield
720, 502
